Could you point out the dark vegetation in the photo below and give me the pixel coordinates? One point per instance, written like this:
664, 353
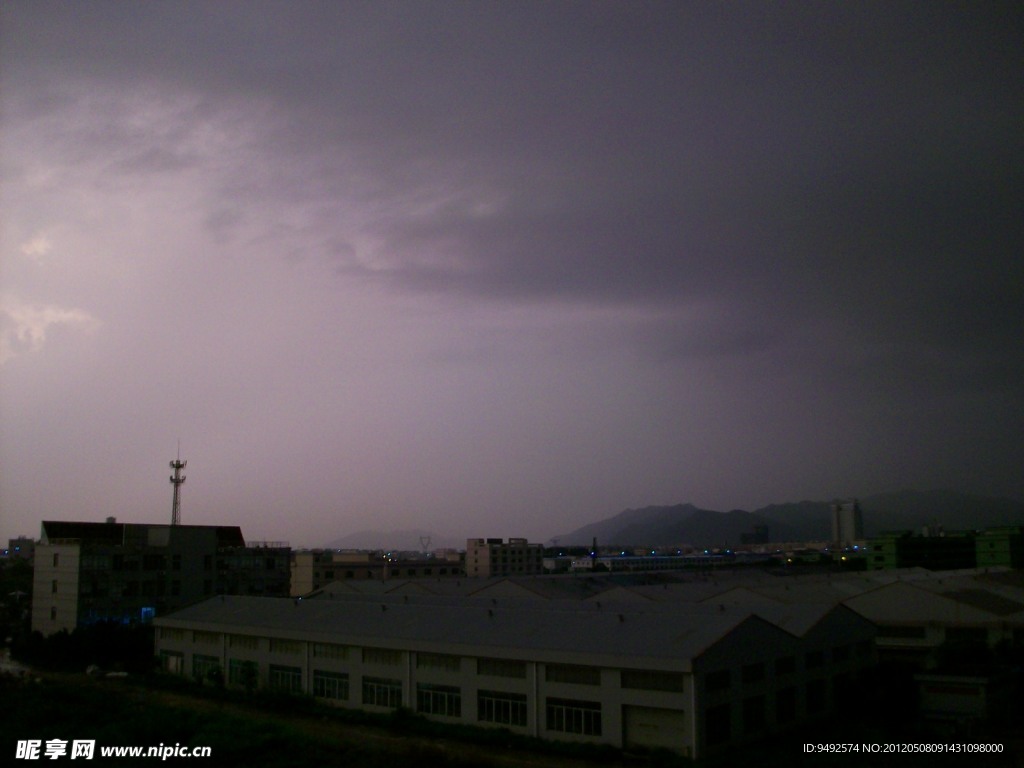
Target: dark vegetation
15, 597
111, 647
264, 728
115, 715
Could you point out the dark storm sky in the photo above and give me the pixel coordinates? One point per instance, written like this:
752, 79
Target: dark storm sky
505, 268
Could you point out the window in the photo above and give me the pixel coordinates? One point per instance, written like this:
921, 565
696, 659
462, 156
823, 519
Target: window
383, 656
841, 686
172, 662
718, 724
288, 679
53, 614
330, 651
568, 673
840, 654
718, 681
243, 672
501, 708
652, 680
785, 705
56, 559
205, 638
330, 685
785, 665
817, 697
439, 700
438, 661
380, 692
167, 633
571, 716
501, 668
752, 673
753, 714
53, 587
814, 659
204, 667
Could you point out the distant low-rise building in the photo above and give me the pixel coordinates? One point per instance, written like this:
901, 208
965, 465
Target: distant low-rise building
629, 563
128, 573
496, 557
942, 552
315, 569
21, 548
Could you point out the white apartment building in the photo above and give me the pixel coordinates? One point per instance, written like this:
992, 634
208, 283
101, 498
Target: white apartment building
496, 557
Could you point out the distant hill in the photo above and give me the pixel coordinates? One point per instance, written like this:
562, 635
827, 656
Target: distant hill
685, 524
675, 526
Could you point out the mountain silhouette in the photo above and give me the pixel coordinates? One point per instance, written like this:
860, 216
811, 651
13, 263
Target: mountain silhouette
683, 525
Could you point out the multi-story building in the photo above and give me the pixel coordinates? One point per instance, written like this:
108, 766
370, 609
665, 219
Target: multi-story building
496, 557
129, 573
1000, 547
694, 679
937, 549
316, 568
902, 549
847, 523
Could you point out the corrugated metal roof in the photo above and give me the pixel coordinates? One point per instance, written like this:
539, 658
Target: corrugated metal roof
565, 631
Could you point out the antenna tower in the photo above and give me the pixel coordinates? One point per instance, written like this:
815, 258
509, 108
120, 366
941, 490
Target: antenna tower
177, 480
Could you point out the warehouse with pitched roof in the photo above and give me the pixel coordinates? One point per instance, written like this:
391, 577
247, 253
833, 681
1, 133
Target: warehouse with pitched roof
691, 678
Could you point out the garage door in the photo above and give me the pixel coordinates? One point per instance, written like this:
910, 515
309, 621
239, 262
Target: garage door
653, 727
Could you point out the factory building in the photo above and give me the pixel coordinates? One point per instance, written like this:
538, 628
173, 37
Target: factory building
695, 679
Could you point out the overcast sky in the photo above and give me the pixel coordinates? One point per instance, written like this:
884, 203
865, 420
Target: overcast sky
495, 269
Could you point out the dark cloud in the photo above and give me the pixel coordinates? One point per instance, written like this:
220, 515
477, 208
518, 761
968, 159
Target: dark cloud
811, 203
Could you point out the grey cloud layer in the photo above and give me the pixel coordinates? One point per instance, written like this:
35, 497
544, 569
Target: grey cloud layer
821, 199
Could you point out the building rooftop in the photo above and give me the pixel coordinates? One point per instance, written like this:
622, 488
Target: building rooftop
113, 533
556, 631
